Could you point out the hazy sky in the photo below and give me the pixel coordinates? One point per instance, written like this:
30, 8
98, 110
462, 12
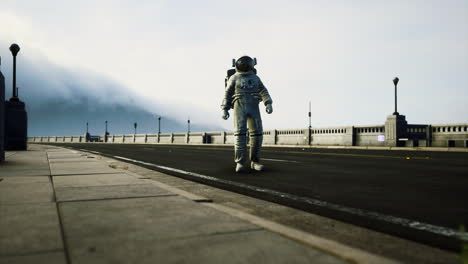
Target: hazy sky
341, 55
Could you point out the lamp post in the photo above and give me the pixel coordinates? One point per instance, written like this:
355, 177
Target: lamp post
135, 126
395, 82
14, 48
159, 125
87, 136
188, 125
106, 133
2, 114
16, 117
310, 124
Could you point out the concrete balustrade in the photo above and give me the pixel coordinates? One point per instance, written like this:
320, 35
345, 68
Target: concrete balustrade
215, 137
140, 138
195, 138
331, 136
368, 135
411, 135
179, 138
229, 138
450, 135
291, 137
165, 138
128, 138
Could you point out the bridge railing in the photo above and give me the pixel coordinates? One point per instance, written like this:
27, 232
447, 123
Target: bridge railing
450, 135
373, 135
333, 136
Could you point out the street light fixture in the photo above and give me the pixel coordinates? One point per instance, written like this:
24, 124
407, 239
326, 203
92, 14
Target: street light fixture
135, 126
395, 82
14, 48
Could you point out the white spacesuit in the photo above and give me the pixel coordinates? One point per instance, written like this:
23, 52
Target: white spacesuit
244, 91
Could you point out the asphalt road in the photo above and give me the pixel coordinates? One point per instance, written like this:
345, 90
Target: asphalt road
417, 195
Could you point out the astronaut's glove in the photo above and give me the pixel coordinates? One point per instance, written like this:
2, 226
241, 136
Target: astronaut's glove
269, 108
225, 114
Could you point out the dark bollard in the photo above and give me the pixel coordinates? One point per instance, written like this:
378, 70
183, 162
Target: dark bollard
2, 114
16, 125
16, 119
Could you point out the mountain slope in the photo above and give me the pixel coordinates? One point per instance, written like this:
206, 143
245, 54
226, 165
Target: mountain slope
61, 117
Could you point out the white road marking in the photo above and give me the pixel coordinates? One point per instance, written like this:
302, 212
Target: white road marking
92, 151
292, 161
438, 230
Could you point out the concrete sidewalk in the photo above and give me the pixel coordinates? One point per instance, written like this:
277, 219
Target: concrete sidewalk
64, 206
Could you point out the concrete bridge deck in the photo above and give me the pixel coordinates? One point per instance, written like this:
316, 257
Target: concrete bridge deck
65, 206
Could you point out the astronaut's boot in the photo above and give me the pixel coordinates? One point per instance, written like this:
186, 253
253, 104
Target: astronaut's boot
255, 145
256, 166
240, 151
240, 167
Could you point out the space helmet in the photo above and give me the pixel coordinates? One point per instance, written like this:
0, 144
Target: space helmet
245, 64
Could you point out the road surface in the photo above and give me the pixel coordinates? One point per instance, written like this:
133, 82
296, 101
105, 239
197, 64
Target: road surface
417, 195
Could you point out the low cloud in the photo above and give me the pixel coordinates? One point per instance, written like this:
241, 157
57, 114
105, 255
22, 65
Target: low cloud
60, 100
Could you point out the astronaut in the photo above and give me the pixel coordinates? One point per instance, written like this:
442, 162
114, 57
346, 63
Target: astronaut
244, 91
